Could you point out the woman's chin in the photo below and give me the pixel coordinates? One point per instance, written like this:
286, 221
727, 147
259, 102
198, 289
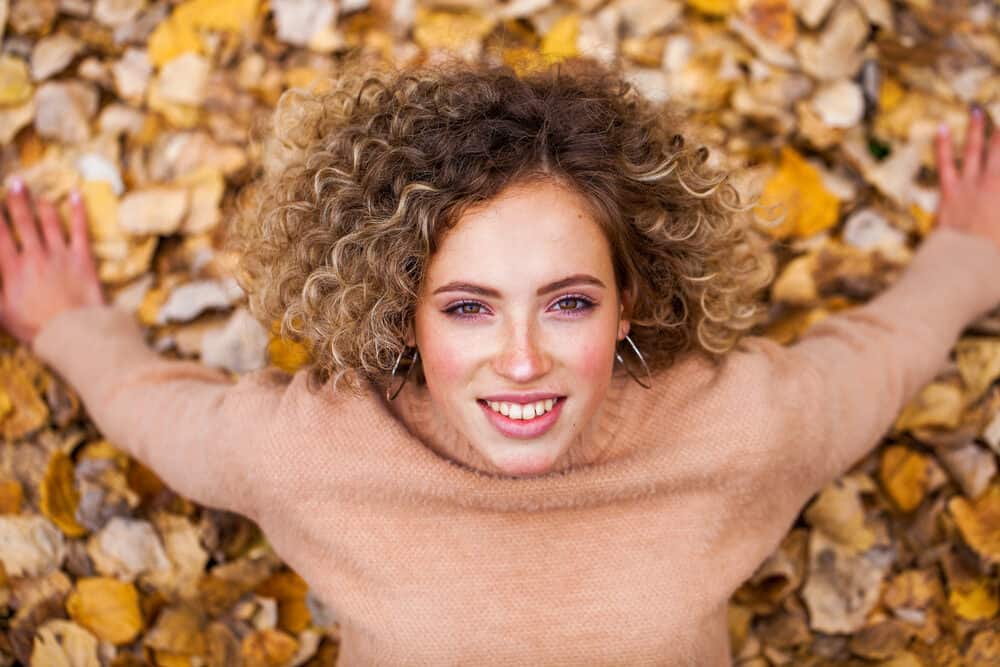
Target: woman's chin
523, 461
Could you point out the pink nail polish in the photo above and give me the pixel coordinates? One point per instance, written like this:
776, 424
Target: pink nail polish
977, 113
943, 129
17, 185
74, 196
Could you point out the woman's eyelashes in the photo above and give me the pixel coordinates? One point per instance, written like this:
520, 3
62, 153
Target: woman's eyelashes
469, 310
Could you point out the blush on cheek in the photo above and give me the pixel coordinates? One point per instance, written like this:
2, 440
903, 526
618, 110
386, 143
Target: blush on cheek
591, 361
444, 365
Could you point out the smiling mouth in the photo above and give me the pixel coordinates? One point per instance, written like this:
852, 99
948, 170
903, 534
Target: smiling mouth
523, 429
521, 411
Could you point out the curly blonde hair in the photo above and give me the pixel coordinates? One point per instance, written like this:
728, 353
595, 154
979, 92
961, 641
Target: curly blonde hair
362, 177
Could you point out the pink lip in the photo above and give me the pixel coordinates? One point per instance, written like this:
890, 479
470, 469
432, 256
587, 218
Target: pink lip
530, 397
523, 428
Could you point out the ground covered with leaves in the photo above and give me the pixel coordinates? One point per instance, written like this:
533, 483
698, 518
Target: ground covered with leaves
829, 106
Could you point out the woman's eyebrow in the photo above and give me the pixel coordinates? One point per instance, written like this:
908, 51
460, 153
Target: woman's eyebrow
575, 279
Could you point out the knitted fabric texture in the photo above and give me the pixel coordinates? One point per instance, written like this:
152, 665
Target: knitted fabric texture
677, 493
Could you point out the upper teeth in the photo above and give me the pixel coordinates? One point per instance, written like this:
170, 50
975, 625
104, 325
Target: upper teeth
522, 411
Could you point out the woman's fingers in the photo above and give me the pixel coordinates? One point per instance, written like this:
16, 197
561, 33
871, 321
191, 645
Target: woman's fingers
79, 241
51, 225
993, 159
945, 161
8, 251
22, 218
973, 156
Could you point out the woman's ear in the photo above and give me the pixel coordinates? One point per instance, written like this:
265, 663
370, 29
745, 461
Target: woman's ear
410, 338
627, 304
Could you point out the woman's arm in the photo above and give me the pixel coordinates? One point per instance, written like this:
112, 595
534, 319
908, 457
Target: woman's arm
197, 429
858, 369
200, 431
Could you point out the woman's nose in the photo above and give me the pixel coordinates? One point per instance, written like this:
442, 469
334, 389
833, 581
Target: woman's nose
522, 358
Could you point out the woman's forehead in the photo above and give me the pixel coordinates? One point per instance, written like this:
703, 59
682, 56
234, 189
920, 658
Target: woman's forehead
535, 232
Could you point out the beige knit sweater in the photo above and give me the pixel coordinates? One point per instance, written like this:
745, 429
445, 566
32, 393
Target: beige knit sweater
628, 558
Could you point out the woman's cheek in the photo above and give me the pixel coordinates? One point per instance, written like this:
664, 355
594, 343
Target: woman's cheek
444, 359
591, 357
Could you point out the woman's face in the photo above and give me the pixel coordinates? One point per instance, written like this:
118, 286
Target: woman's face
521, 299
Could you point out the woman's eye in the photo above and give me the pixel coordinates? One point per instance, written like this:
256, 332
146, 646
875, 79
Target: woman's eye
465, 309
576, 304
469, 308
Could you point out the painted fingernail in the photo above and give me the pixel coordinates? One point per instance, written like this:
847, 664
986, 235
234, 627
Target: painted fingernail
74, 196
16, 185
977, 112
943, 129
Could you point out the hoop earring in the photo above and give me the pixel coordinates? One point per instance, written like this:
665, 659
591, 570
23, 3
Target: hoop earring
642, 360
416, 355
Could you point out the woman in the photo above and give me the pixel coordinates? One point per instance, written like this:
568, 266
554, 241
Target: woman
460, 245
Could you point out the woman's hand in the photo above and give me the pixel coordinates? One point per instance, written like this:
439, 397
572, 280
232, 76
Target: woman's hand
970, 200
43, 274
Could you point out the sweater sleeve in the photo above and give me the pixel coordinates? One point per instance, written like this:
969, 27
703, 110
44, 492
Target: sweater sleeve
200, 431
853, 372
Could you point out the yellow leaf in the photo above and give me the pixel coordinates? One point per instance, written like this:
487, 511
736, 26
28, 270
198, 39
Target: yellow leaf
788, 328
978, 361
839, 512
796, 189
938, 405
168, 659
904, 473
152, 301
300, 77
29, 412
713, 7
102, 211
180, 33
979, 522
11, 495
6, 407
924, 220
977, 602
288, 355
59, 497
561, 39
289, 589
524, 59
15, 85
451, 31
890, 94
223, 15
103, 450
107, 607
268, 648
797, 283
170, 39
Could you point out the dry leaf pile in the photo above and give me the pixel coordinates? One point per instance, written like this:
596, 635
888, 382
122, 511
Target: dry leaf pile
828, 107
